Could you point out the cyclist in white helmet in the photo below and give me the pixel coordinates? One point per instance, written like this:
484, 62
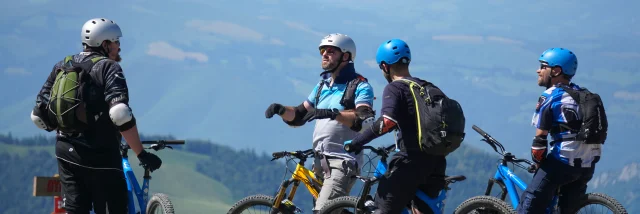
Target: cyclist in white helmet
337, 117
87, 147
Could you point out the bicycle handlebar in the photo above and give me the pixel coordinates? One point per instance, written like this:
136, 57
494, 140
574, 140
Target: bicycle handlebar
493, 143
381, 151
297, 154
167, 142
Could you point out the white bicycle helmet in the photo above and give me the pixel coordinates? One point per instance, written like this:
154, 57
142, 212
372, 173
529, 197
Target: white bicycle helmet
97, 30
344, 42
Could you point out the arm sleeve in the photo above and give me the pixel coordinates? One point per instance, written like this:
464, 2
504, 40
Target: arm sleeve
43, 97
116, 94
387, 122
115, 84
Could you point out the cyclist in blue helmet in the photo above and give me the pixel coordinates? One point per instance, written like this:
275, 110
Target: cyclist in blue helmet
409, 169
570, 162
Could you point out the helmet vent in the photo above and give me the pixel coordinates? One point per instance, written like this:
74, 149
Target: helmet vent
94, 22
87, 31
103, 20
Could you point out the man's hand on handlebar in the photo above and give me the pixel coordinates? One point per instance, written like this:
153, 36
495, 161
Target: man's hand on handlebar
351, 147
149, 160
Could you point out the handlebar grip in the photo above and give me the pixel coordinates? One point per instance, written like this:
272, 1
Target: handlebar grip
477, 129
348, 147
174, 142
167, 142
278, 154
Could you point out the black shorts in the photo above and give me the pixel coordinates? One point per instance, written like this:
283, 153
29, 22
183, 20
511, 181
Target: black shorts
397, 189
87, 187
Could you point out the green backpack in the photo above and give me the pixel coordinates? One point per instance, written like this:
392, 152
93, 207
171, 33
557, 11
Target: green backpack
68, 104
440, 119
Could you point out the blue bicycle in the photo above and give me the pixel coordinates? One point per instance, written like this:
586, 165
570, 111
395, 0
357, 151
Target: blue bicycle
508, 181
158, 200
365, 204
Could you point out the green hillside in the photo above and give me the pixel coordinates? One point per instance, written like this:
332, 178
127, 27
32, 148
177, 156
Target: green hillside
189, 190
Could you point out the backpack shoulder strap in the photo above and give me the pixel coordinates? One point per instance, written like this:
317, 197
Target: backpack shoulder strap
348, 97
318, 92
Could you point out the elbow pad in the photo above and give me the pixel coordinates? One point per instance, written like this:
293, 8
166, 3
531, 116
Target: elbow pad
41, 121
365, 117
540, 142
122, 117
300, 112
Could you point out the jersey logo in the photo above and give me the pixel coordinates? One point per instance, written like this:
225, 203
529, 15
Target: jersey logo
540, 101
119, 75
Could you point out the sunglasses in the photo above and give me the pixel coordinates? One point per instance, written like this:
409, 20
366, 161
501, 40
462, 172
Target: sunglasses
544, 66
328, 50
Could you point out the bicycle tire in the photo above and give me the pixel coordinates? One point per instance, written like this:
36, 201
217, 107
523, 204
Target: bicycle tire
160, 200
253, 200
606, 200
340, 203
483, 201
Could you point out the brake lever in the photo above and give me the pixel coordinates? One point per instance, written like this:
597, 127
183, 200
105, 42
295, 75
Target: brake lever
169, 147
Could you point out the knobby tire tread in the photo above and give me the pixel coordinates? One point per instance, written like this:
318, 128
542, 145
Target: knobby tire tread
490, 202
160, 200
340, 203
250, 201
606, 200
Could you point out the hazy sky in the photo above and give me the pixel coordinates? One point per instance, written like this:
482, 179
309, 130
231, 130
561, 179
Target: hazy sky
208, 69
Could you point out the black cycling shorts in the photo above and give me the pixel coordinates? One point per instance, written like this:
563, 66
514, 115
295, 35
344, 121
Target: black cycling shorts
86, 187
397, 189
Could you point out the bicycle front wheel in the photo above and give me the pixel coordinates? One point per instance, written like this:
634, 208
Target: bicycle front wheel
263, 203
343, 205
160, 203
484, 204
604, 200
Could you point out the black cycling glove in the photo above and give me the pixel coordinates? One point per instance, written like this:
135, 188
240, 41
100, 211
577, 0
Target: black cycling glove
149, 160
273, 109
321, 114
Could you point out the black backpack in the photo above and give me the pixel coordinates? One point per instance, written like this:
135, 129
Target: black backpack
348, 97
440, 119
68, 105
593, 129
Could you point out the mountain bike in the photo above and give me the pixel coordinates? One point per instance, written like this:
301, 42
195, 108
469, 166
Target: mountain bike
278, 203
508, 181
366, 204
158, 200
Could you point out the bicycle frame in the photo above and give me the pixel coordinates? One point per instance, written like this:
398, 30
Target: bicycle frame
301, 174
436, 204
508, 181
133, 187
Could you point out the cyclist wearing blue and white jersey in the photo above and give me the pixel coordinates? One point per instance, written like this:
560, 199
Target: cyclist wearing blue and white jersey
341, 110
570, 163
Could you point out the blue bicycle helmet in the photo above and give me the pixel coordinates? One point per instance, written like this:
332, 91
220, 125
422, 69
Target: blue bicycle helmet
561, 57
392, 51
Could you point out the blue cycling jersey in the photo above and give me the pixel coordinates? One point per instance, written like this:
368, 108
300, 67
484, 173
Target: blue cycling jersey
556, 110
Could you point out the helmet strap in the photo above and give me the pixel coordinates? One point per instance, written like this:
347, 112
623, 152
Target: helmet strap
551, 76
336, 67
